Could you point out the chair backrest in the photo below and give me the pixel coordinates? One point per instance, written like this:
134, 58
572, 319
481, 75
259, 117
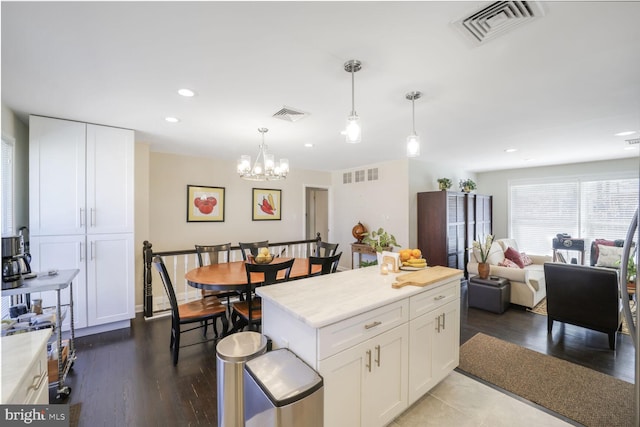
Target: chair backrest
214, 252
252, 247
324, 249
168, 286
270, 271
329, 263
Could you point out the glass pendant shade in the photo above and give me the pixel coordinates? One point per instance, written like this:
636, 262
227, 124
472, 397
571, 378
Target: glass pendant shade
413, 146
353, 133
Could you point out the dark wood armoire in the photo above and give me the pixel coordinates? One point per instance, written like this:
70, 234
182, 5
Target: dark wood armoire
449, 222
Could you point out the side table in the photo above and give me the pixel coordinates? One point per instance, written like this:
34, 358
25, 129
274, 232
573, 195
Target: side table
361, 248
492, 294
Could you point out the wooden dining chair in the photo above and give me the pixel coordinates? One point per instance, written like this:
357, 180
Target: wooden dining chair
329, 264
210, 254
200, 311
324, 249
252, 247
249, 312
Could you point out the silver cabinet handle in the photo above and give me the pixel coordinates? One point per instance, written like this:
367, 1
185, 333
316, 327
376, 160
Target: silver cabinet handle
439, 297
81, 251
437, 322
93, 255
38, 380
368, 365
93, 217
444, 317
372, 325
378, 355
81, 217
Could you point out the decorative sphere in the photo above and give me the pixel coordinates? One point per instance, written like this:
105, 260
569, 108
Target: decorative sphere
358, 231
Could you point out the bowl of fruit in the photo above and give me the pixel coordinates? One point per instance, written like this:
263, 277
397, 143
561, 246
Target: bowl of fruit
411, 259
263, 257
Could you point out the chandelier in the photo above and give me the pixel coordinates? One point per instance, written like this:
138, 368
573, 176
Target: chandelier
264, 168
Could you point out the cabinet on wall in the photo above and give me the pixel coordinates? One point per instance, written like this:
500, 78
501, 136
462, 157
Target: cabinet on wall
448, 222
81, 213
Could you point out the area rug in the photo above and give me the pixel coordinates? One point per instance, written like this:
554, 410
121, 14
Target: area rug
591, 398
541, 308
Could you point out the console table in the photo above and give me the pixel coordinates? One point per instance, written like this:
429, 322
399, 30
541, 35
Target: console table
359, 249
568, 245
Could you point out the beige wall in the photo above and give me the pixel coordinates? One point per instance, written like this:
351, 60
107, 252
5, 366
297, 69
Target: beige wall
12, 127
497, 183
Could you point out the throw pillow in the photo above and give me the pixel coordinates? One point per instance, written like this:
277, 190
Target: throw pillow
526, 260
508, 263
514, 256
595, 252
609, 256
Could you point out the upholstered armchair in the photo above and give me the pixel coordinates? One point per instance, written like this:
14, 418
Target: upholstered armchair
527, 283
584, 296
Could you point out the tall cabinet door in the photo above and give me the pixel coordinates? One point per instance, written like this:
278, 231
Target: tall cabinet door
446, 354
110, 288
110, 198
56, 176
63, 253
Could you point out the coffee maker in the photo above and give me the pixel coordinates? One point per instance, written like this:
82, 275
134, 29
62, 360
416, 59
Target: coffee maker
15, 262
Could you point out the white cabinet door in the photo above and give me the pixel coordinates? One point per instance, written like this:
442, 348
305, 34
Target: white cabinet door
110, 157
56, 176
110, 288
366, 385
62, 253
385, 383
434, 348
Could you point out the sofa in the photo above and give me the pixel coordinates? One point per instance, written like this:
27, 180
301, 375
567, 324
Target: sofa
584, 296
527, 283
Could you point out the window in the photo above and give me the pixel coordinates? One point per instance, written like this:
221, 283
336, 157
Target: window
600, 207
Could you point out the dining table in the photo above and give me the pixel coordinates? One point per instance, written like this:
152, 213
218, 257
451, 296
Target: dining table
229, 276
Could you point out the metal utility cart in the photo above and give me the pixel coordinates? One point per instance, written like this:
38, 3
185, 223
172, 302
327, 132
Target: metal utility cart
55, 281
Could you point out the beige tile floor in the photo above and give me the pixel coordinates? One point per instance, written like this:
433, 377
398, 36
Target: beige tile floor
460, 401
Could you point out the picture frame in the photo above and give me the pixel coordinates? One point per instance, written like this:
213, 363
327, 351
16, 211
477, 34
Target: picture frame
205, 203
266, 204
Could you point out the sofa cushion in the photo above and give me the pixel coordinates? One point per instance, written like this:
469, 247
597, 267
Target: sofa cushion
526, 259
513, 255
609, 256
496, 254
508, 263
508, 243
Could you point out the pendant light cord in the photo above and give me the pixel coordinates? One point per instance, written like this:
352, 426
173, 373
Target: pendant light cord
353, 91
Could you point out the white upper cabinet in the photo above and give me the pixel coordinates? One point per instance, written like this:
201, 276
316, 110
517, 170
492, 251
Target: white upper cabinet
80, 178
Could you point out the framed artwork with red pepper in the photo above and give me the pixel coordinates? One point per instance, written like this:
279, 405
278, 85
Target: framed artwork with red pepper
267, 204
205, 204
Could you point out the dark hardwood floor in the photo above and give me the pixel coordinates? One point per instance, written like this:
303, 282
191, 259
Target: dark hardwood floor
126, 378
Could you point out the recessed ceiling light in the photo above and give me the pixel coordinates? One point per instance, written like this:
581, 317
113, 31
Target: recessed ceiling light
631, 147
186, 92
172, 119
626, 133
308, 145
510, 150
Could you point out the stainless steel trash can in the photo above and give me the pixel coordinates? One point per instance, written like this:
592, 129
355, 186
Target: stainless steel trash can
282, 390
232, 352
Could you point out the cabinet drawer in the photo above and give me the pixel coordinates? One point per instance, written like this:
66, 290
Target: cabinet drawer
34, 380
342, 335
433, 298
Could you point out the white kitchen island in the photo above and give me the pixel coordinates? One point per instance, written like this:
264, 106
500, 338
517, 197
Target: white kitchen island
378, 349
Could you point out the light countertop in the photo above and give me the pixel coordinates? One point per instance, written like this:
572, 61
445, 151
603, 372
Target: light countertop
323, 300
17, 353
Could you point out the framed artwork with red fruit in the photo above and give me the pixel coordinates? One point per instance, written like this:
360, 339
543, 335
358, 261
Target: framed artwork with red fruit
267, 204
205, 204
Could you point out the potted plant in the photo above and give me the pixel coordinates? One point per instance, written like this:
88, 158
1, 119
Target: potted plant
444, 183
482, 250
380, 240
467, 185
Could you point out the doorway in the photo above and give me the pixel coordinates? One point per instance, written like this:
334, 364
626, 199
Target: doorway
317, 213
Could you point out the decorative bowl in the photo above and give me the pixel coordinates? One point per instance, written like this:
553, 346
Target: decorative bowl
261, 259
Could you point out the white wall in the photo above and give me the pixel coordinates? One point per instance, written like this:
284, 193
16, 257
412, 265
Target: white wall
496, 183
14, 128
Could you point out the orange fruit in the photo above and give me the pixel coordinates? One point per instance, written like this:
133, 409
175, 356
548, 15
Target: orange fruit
417, 253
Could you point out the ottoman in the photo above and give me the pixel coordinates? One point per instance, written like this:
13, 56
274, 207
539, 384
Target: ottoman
492, 294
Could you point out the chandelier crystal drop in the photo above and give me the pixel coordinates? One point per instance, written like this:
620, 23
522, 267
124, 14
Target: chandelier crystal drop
264, 168
413, 140
353, 131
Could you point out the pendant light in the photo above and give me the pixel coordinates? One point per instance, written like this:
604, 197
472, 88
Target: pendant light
413, 140
264, 168
353, 132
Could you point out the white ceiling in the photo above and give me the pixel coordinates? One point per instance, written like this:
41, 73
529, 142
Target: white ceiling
557, 88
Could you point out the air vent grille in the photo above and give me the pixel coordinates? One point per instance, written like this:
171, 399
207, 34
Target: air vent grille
497, 18
347, 178
290, 114
360, 176
372, 174
633, 141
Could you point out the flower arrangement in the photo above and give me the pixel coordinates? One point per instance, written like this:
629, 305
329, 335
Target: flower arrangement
444, 183
467, 185
483, 249
380, 240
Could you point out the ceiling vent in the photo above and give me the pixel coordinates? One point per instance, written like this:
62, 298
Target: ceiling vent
290, 114
497, 18
633, 141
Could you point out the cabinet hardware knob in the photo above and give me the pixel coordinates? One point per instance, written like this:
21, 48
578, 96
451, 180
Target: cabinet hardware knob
373, 325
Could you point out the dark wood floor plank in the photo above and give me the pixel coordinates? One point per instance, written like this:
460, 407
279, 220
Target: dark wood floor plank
127, 378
